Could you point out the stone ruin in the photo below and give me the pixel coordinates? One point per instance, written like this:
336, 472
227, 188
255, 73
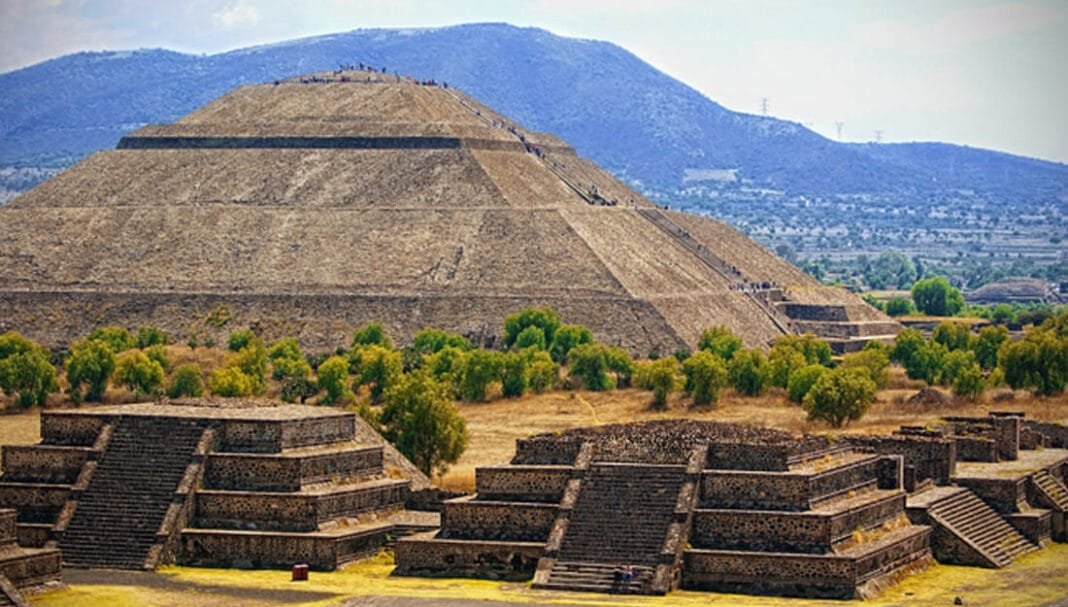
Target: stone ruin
199, 483
722, 507
263, 207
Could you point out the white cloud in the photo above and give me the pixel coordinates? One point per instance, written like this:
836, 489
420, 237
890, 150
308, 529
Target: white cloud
236, 14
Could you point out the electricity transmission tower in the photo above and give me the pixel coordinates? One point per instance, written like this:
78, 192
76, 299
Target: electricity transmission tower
764, 106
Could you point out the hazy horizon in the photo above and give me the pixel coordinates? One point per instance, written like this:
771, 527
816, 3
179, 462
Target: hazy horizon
981, 74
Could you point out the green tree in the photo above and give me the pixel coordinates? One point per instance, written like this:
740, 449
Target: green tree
479, 369
588, 363
25, 370
116, 338
445, 364
748, 372
420, 419
149, 336
187, 381
706, 375
875, 361
544, 372
159, 354
240, 339
1038, 361
936, 297
515, 375
252, 361
287, 361
432, 340
377, 367
139, 373
89, 365
954, 363
782, 362
899, 306
968, 383
802, 380
1002, 314
531, 337
567, 337
814, 349
988, 343
840, 395
908, 343
926, 363
720, 341
661, 376
371, 334
952, 335
545, 319
230, 382
620, 363
333, 376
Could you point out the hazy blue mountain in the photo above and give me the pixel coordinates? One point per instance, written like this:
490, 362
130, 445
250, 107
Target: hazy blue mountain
615, 108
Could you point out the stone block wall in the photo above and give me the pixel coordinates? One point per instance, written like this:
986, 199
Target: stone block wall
465, 558
741, 456
43, 463
69, 428
976, 449
262, 472
1004, 495
930, 457
543, 451
522, 483
754, 490
277, 551
1006, 432
468, 518
1056, 434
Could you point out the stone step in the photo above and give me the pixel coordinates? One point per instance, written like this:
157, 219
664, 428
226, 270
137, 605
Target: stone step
1055, 490
970, 518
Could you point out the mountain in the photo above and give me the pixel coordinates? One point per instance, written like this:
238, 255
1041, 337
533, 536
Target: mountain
645, 126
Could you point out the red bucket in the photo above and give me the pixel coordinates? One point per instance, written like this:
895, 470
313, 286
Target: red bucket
300, 573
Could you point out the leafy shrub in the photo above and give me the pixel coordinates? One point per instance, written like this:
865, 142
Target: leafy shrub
661, 376
620, 363
720, 341
706, 375
968, 383
151, 336
252, 361
952, 335
445, 364
287, 361
1038, 361
545, 319
748, 372
802, 380
117, 339
240, 339
479, 369
988, 343
543, 372
814, 349
907, 344
873, 360
899, 306
89, 365
431, 340
840, 395
567, 337
371, 335
514, 374
531, 337
187, 381
420, 419
936, 297
230, 382
159, 354
588, 363
298, 389
139, 373
25, 370
333, 376
377, 367
782, 362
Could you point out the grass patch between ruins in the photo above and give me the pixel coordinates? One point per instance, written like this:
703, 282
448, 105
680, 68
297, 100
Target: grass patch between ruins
1037, 579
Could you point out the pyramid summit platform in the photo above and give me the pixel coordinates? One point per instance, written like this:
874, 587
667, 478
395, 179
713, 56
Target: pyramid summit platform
307, 206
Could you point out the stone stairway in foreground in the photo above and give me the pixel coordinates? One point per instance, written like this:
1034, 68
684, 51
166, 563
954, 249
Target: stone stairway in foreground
981, 536
117, 521
621, 518
1053, 490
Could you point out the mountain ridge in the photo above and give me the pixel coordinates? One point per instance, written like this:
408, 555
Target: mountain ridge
632, 118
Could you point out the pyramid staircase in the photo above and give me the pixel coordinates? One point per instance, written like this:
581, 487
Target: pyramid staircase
123, 514
968, 531
1053, 490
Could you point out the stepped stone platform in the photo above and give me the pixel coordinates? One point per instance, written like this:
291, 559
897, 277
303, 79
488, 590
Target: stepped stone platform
648, 508
22, 568
215, 483
732, 508
474, 216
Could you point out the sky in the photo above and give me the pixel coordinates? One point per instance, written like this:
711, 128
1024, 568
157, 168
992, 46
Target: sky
988, 74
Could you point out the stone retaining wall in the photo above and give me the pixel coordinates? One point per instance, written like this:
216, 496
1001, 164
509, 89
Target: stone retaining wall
522, 483
934, 458
202, 548
494, 560
256, 472
468, 518
43, 463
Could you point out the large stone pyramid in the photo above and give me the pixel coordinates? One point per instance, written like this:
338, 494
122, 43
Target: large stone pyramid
307, 206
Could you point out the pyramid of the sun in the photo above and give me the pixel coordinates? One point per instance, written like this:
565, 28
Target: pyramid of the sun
308, 206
